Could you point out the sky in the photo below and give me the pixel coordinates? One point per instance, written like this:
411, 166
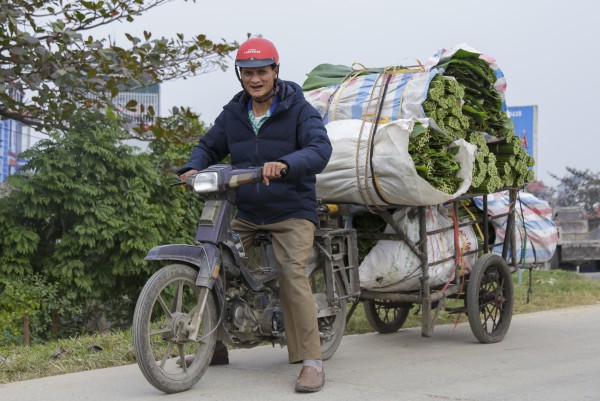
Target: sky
547, 51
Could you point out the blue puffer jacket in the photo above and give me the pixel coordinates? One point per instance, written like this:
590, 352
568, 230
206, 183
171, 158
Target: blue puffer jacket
294, 134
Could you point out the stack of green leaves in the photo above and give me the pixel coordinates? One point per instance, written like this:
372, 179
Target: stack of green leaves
484, 167
513, 162
482, 102
444, 105
434, 157
505, 163
500, 164
464, 103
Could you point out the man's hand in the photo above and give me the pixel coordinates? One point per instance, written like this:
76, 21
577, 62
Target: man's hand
183, 177
272, 170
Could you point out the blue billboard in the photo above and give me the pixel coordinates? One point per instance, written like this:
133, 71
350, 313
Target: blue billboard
525, 119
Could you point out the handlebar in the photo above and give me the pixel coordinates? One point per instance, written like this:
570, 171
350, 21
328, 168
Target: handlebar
252, 175
228, 177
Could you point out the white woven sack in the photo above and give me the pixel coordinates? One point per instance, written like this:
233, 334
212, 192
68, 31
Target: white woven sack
348, 177
391, 266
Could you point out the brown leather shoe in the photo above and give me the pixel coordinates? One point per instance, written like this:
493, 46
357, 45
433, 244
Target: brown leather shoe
310, 380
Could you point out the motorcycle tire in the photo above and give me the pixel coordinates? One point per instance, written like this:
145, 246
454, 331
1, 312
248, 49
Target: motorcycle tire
163, 323
333, 325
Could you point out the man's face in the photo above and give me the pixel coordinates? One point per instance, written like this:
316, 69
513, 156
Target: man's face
259, 81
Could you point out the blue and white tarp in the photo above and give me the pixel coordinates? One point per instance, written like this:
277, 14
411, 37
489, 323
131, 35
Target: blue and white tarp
536, 234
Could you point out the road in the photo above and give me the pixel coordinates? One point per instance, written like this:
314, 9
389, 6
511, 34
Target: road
546, 356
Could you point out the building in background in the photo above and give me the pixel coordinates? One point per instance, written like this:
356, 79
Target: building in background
13, 141
145, 98
16, 137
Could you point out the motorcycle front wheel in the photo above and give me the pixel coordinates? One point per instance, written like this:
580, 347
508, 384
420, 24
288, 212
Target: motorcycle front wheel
174, 319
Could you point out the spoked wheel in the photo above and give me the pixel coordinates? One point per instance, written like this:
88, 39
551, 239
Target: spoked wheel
490, 298
386, 316
173, 319
332, 319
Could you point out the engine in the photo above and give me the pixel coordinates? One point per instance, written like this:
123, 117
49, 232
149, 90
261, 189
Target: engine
254, 316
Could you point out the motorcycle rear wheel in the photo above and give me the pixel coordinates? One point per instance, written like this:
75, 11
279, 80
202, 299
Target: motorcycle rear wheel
163, 323
331, 325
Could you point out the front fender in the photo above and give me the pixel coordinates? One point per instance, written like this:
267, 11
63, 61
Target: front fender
206, 257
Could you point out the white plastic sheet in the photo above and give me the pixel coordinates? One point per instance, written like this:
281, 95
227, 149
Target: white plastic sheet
391, 266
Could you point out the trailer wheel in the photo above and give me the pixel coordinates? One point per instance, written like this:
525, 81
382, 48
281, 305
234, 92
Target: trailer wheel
490, 298
386, 316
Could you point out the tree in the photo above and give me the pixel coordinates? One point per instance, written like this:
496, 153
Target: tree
44, 54
578, 188
173, 138
84, 214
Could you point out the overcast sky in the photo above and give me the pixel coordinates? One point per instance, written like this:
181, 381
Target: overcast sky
548, 51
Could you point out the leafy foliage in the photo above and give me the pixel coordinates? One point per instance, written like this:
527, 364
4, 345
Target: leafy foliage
43, 52
174, 138
31, 298
86, 212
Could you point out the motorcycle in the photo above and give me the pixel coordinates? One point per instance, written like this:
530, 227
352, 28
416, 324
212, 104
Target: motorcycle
213, 291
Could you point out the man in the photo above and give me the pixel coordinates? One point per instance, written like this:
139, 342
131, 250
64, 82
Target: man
270, 124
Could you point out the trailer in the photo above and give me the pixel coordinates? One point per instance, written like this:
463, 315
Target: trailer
485, 294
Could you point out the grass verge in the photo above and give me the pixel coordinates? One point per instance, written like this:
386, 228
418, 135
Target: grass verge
551, 290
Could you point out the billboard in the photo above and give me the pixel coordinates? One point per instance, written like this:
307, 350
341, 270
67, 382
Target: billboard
525, 119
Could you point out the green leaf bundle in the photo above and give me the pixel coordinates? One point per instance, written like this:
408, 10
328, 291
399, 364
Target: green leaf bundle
444, 105
482, 102
434, 157
513, 161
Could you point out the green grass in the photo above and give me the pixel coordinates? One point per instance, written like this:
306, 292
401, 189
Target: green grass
551, 290
66, 356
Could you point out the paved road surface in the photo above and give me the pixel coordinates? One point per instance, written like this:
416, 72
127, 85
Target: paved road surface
547, 356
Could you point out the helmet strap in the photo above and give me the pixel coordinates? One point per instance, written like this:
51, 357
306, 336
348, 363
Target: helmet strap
266, 99
239, 77
275, 91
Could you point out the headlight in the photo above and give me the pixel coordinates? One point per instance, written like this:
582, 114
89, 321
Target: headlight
206, 182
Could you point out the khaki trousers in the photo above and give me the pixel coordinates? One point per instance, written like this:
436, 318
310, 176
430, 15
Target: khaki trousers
292, 244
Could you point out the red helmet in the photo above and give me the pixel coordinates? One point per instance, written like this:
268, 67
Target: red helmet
256, 52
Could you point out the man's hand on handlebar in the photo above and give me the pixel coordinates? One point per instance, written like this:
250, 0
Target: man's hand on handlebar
273, 170
183, 177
